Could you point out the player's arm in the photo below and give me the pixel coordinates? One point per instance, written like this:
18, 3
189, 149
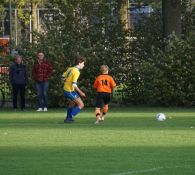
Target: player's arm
113, 84
64, 75
74, 83
95, 85
81, 93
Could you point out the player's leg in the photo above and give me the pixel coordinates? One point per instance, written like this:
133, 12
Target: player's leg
70, 97
78, 106
75, 105
104, 112
98, 115
99, 104
106, 99
70, 107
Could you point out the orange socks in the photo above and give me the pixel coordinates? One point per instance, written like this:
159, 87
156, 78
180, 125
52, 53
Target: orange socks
105, 109
99, 115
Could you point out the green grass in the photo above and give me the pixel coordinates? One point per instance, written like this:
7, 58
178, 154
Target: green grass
130, 141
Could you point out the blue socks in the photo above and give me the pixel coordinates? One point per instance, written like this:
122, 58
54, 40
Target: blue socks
75, 111
69, 111
72, 112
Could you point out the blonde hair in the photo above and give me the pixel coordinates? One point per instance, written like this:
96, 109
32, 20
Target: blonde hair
104, 69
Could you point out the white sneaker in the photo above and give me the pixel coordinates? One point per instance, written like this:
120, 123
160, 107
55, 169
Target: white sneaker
97, 122
39, 109
45, 109
102, 119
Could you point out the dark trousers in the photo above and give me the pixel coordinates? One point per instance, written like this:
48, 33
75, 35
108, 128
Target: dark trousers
18, 89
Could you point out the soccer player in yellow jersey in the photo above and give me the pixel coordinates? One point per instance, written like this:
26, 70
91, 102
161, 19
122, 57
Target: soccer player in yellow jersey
72, 91
104, 84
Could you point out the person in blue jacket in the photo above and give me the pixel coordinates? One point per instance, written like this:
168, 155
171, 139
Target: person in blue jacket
18, 78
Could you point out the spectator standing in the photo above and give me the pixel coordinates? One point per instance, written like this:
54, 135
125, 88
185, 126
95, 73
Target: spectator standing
18, 78
41, 73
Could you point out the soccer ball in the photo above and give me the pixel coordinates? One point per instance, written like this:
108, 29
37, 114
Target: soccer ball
160, 117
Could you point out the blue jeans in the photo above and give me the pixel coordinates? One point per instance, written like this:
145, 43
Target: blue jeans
42, 94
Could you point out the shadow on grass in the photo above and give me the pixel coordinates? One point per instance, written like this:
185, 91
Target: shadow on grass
97, 160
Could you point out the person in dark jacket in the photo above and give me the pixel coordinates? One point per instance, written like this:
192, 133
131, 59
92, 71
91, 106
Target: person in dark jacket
18, 78
41, 73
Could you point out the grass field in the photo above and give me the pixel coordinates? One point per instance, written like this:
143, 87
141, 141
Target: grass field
129, 142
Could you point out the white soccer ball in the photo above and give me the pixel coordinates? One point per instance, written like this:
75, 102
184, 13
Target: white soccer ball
160, 117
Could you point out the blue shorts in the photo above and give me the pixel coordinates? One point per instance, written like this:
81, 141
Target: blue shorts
71, 95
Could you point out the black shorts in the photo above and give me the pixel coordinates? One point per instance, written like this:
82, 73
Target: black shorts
102, 98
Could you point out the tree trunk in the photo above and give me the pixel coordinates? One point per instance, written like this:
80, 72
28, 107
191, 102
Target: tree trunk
34, 6
123, 12
171, 10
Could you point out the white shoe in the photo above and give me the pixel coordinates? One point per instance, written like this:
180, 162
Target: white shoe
39, 109
102, 119
45, 109
97, 122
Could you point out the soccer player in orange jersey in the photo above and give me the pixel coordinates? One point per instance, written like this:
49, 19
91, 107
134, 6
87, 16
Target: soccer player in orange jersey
104, 84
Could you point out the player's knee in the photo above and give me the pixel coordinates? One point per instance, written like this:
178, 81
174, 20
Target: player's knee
81, 106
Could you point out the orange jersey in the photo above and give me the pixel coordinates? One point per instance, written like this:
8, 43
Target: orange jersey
104, 83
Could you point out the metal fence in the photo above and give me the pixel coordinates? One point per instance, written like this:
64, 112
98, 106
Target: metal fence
22, 29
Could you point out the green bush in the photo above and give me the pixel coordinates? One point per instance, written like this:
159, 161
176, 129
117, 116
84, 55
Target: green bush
162, 71
95, 35
148, 69
169, 76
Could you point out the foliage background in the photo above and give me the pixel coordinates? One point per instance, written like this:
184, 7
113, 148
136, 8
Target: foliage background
149, 69
94, 34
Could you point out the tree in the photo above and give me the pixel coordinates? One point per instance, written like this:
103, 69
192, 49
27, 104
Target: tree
26, 15
33, 4
79, 27
123, 12
171, 10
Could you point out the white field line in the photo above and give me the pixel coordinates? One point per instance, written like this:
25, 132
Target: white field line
145, 170
140, 171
